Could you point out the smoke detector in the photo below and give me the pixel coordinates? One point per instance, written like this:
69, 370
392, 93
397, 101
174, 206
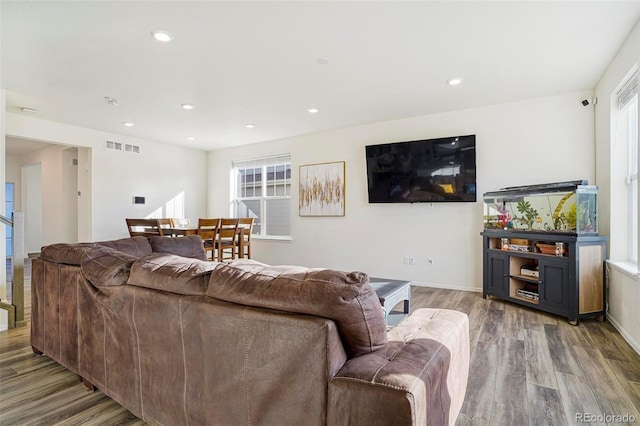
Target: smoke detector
111, 101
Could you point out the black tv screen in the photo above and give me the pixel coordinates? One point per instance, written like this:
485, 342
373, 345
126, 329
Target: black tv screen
429, 170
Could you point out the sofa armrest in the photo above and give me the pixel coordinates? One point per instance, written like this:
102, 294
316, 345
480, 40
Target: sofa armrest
418, 378
54, 317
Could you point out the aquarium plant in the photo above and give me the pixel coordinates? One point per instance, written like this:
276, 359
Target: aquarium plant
530, 215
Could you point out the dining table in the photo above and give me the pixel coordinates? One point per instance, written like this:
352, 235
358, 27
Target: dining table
181, 231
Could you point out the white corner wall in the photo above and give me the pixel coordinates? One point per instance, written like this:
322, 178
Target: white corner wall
48, 196
4, 320
533, 141
623, 295
108, 179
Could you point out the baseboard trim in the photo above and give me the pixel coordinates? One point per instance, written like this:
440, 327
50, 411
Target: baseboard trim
447, 287
624, 333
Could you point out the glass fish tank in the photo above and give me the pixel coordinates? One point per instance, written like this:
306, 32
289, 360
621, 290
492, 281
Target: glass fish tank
561, 207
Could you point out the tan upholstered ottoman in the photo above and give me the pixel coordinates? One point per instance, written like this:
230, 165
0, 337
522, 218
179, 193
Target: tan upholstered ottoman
405, 386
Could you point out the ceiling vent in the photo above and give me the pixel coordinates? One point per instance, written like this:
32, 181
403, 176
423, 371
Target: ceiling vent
132, 148
119, 146
116, 146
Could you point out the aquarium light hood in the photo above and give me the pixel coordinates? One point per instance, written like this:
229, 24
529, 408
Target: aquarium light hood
547, 187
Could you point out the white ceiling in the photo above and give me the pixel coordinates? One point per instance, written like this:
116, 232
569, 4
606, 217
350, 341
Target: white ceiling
245, 62
20, 147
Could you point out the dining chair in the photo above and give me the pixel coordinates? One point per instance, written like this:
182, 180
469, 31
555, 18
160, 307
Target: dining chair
165, 224
208, 231
226, 240
144, 227
180, 221
247, 224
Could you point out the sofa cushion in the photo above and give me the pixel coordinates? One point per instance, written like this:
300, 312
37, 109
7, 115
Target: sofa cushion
105, 266
67, 254
71, 254
135, 246
187, 246
168, 272
346, 298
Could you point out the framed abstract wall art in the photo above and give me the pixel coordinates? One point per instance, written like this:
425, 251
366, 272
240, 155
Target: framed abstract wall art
321, 189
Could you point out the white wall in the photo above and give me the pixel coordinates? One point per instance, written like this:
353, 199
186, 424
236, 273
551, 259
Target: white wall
159, 173
622, 288
4, 321
624, 299
69, 179
32, 202
534, 141
49, 194
12, 174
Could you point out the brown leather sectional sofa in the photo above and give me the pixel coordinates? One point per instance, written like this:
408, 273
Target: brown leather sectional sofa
178, 340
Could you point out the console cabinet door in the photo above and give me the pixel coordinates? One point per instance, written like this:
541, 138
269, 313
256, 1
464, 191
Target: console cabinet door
554, 288
497, 274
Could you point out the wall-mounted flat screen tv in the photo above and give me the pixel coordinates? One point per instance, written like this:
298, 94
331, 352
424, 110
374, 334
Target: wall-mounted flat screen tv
429, 170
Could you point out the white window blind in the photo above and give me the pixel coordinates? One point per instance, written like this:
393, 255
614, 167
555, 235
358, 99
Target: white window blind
263, 161
628, 90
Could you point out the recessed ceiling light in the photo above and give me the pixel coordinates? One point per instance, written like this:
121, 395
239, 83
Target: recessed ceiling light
312, 110
186, 106
128, 124
322, 61
191, 138
249, 126
162, 35
27, 109
454, 81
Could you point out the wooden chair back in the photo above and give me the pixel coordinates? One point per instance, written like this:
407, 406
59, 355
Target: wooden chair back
247, 224
165, 223
208, 231
226, 241
180, 221
144, 227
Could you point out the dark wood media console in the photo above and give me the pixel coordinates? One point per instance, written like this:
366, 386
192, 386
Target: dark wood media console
569, 283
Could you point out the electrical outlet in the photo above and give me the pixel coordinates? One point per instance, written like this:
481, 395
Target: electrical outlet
412, 260
430, 261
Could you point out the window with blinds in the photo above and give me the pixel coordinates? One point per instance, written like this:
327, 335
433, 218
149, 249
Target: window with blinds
628, 120
628, 91
262, 190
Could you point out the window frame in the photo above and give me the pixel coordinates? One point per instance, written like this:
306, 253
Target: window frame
631, 112
261, 226
624, 192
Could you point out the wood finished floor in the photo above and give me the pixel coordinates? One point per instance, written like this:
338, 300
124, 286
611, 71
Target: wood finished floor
527, 368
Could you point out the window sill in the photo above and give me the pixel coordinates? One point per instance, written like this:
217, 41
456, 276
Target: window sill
626, 268
270, 238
